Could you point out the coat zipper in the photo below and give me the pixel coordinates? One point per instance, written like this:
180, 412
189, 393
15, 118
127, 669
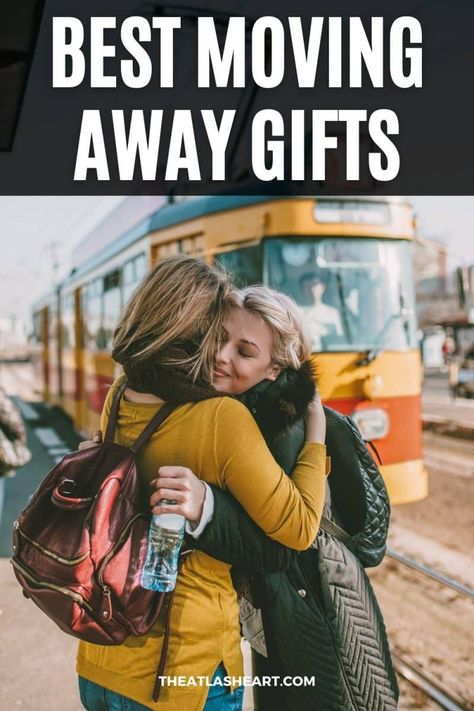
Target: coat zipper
50, 554
58, 588
341, 661
338, 654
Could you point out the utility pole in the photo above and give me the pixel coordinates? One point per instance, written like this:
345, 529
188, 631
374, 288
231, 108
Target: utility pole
53, 253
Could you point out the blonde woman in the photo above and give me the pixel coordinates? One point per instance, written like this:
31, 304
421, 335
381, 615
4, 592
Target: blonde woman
288, 598
166, 341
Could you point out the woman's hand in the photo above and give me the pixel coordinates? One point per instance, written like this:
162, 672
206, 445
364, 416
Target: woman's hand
181, 485
96, 439
316, 421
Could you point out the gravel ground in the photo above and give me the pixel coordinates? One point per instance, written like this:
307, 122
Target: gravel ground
434, 626
447, 515
428, 623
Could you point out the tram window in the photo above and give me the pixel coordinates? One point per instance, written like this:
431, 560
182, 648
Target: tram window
67, 321
92, 305
37, 335
132, 274
140, 266
245, 264
355, 293
83, 317
129, 272
112, 306
52, 322
112, 280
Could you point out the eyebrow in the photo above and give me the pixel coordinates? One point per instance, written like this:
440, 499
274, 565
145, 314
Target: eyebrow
250, 343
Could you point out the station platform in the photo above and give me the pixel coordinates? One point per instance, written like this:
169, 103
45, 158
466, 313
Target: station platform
443, 413
37, 660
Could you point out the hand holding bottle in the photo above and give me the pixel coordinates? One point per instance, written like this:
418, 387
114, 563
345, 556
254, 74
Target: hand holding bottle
181, 486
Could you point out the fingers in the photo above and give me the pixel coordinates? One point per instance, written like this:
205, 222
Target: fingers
174, 476
172, 471
179, 485
179, 508
167, 483
87, 444
168, 494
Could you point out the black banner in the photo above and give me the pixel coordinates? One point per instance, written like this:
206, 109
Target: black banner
200, 97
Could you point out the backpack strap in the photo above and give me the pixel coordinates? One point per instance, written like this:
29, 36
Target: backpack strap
330, 527
154, 423
112, 422
165, 410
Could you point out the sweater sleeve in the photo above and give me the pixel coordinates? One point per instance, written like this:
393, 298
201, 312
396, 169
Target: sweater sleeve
232, 536
287, 510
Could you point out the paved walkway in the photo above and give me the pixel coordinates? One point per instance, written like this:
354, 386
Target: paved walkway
37, 660
446, 415
37, 667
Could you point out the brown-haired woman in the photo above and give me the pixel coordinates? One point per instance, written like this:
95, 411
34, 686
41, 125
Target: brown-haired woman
166, 341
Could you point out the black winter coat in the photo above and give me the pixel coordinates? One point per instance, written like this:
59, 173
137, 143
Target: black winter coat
320, 615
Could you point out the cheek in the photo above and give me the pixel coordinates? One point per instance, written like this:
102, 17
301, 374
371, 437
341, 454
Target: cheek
252, 372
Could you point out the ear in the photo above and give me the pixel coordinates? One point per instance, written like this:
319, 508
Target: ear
273, 373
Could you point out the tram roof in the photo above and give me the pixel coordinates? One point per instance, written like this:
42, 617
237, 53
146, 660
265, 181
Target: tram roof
193, 208
189, 209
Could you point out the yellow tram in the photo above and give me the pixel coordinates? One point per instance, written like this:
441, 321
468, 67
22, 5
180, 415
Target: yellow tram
347, 263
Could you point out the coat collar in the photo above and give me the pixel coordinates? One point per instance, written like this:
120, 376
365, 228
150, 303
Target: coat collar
277, 405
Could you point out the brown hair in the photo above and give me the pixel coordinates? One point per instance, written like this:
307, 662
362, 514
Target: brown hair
174, 318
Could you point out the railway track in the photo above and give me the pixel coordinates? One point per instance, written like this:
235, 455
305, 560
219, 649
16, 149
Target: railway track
430, 686
18, 379
406, 667
430, 573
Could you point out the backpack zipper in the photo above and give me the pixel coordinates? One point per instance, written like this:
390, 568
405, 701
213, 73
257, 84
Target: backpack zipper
50, 554
51, 586
118, 543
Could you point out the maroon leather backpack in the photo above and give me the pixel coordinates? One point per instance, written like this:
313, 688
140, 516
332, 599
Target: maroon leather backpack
80, 544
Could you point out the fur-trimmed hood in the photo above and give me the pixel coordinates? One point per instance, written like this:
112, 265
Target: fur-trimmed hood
277, 405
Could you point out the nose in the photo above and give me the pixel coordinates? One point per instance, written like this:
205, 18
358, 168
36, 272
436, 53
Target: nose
223, 354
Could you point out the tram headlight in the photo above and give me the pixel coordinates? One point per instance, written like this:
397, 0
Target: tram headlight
373, 423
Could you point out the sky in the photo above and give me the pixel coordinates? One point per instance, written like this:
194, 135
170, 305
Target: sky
38, 232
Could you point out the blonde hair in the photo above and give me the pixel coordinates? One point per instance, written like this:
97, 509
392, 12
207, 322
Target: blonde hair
291, 341
174, 317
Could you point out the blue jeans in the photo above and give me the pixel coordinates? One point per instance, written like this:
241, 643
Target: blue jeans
97, 698
219, 697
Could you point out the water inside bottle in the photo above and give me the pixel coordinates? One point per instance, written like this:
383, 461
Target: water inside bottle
161, 566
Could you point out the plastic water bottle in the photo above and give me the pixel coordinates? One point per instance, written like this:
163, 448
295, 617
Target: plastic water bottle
164, 542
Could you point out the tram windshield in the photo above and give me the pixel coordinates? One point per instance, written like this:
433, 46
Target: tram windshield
355, 293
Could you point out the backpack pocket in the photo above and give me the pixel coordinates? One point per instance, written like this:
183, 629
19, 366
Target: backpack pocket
68, 608
120, 573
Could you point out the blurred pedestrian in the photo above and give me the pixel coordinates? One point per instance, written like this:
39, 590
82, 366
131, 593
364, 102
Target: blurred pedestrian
13, 450
449, 346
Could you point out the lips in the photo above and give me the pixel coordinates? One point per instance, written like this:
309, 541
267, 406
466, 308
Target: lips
221, 373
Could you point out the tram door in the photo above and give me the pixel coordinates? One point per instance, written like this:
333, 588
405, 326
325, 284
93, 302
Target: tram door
53, 345
39, 352
80, 405
71, 354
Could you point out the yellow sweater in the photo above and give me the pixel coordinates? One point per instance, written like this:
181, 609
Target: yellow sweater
219, 440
